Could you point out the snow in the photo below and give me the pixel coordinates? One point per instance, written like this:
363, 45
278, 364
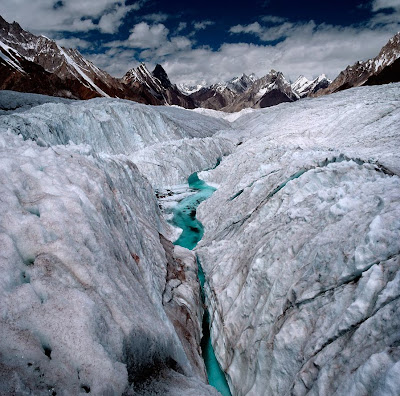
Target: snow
222, 114
110, 126
85, 275
8, 59
189, 89
81, 73
300, 251
302, 86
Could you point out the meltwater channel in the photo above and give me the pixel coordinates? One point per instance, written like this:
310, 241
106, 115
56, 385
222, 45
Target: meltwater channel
185, 218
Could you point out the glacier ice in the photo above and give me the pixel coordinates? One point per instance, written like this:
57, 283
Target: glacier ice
300, 250
86, 270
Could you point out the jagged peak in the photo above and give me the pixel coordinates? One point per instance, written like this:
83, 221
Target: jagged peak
160, 73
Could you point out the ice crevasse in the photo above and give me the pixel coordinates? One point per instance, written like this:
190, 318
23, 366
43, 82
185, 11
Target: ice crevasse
300, 249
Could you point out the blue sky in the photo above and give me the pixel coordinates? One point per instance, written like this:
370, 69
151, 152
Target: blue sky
210, 41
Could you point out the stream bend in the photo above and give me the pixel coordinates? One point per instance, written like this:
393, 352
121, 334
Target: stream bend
185, 218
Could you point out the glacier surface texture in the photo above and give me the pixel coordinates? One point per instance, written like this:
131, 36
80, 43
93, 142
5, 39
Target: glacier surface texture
300, 249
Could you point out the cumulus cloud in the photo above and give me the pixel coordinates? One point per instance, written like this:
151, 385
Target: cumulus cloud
181, 26
68, 15
272, 33
144, 35
107, 61
153, 40
387, 12
306, 48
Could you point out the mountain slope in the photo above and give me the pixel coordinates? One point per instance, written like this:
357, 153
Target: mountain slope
267, 91
158, 85
304, 87
20, 74
54, 70
245, 91
362, 72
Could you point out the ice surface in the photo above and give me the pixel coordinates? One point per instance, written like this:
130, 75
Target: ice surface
85, 274
300, 251
12, 101
110, 125
301, 247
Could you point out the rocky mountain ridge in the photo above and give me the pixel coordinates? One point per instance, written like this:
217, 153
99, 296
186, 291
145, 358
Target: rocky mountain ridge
31, 63
305, 87
382, 69
37, 64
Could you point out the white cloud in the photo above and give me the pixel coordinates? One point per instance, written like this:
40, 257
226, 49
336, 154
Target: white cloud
251, 28
273, 19
144, 35
169, 47
112, 20
107, 61
156, 17
154, 40
385, 4
304, 48
73, 42
307, 49
271, 33
181, 26
201, 25
67, 15
391, 15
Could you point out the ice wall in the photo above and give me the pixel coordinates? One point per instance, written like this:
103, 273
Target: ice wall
167, 143
301, 248
85, 271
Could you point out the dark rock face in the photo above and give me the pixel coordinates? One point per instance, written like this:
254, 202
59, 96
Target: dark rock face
378, 70
162, 76
273, 98
214, 97
388, 75
158, 85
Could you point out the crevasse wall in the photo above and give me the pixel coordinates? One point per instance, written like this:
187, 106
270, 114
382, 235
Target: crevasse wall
94, 296
301, 248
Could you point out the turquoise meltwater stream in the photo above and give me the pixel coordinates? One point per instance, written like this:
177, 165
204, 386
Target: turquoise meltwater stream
185, 218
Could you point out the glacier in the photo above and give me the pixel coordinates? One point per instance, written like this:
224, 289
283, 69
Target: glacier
300, 249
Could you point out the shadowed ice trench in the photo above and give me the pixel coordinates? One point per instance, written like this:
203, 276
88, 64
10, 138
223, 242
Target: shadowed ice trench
185, 218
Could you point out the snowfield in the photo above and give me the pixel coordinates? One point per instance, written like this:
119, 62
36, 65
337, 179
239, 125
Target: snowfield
300, 251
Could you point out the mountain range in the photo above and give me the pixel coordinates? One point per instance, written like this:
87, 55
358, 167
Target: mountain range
37, 64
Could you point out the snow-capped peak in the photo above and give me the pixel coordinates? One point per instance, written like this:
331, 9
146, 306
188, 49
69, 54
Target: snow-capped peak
189, 89
303, 86
300, 83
